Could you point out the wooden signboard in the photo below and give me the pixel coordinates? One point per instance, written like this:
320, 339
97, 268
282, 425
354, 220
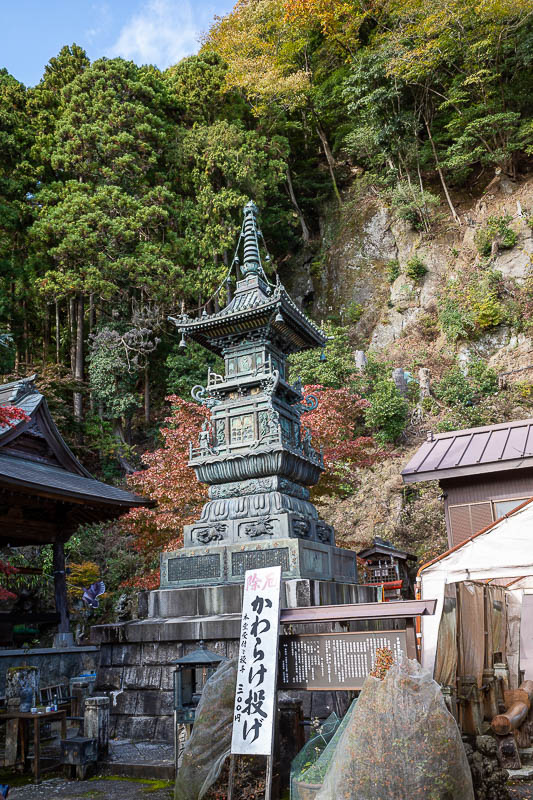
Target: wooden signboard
334, 661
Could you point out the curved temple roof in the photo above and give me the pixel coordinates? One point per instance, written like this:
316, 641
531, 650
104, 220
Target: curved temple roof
38, 468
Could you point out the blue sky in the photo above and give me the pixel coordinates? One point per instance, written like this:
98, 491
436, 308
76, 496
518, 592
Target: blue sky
146, 31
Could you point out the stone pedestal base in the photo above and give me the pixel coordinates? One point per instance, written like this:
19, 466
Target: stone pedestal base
298, 558
135, 657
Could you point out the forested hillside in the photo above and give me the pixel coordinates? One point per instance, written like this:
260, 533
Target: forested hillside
389, 146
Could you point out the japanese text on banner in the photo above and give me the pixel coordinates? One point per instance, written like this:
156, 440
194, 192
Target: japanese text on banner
257, 669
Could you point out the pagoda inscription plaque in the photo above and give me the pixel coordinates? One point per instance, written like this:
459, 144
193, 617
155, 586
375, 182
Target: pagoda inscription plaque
255, 451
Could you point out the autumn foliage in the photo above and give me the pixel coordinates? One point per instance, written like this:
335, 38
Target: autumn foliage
169, 482
335, 426
6, 569
178, 496
10, 415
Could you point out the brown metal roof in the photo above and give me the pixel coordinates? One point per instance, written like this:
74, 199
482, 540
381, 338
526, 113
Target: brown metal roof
492, 448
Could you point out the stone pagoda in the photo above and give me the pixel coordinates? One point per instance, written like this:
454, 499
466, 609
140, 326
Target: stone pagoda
255, 454
254, 451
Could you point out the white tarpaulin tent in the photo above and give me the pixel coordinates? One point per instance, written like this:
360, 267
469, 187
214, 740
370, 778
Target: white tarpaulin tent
503, 550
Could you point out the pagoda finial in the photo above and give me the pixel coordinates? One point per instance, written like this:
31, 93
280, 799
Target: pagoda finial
252, 260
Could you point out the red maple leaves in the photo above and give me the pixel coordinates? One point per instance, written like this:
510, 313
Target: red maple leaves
335, 426
10, 415
171, 483
6, 569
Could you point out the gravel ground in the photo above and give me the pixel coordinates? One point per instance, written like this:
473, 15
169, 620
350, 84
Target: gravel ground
99, 789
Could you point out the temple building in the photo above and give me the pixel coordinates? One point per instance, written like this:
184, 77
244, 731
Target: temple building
484, 473
45, 492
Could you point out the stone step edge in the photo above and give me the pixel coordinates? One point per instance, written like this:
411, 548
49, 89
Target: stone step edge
145, 769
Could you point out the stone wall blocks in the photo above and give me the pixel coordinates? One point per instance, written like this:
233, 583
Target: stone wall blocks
105, 655
164, 729
124, 702
109, 678
125, 654
154, 703
146, 677
142, 728
167, 678
160, 652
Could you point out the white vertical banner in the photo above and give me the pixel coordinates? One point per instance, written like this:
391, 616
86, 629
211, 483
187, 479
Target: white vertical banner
255, 697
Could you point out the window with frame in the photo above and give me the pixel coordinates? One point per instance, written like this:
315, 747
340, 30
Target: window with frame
469, 518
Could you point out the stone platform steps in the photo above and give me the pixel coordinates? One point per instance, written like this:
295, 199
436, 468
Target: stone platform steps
143, 759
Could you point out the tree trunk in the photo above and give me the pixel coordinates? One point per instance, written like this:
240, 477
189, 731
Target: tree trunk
25, 332
329, 159
46, 333
119, 436
146, 395
92, 325
71, 325
303, 224
60, 586
58, 335
92, 313
454, 214
78, 359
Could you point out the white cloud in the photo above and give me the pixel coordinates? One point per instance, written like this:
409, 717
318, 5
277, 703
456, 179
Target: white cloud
102, 16
161, 33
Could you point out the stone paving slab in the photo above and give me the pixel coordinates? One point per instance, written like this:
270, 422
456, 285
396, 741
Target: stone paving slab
96, 789
125, 750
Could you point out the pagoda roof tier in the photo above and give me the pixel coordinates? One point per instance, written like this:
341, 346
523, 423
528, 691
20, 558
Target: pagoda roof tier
256, 305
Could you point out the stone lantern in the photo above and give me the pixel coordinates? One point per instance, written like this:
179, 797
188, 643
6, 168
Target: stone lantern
190, 676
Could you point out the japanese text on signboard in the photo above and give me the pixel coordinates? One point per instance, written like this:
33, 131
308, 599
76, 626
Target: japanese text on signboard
257, 667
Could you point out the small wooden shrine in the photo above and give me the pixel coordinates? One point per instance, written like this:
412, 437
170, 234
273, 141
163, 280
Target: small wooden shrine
45, 492
388, 567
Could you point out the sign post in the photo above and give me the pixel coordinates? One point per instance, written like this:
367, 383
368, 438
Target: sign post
255, 696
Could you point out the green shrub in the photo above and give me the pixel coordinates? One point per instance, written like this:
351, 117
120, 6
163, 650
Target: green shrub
496, 230
460, 418
353, 313
413, 205
483, 295
335, 370
483, 379
387, 413
457, 389
455, 319
488, 311
454, 388
393, 270
415, 269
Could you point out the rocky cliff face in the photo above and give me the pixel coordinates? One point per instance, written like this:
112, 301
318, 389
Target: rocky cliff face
359, 277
